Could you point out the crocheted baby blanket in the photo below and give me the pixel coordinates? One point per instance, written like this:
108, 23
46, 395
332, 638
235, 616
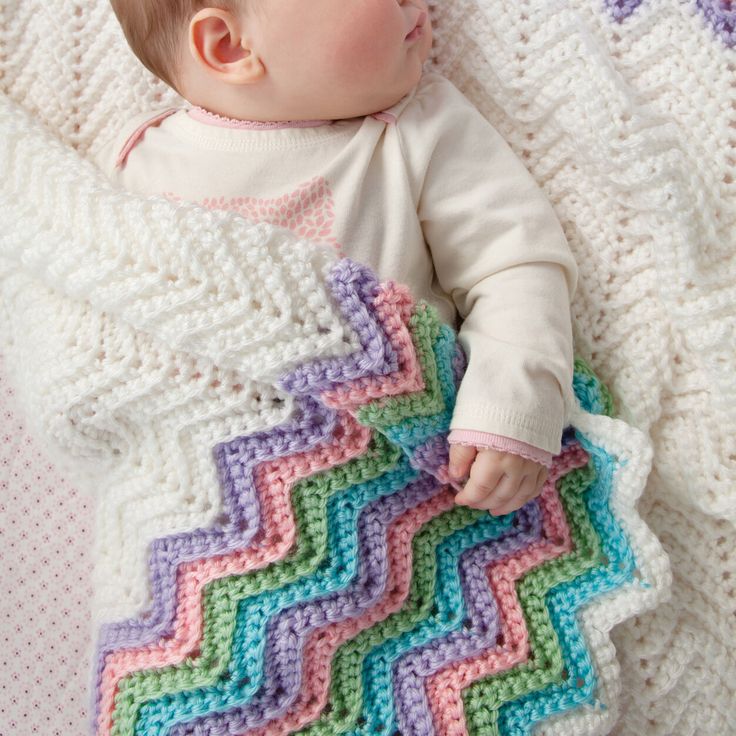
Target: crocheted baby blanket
343, 591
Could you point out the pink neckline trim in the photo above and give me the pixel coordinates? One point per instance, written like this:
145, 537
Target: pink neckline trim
205, 116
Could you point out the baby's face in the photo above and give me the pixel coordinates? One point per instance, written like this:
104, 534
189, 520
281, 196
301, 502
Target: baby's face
333, 59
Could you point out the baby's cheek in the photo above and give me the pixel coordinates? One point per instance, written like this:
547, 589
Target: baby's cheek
358, 52
426, 42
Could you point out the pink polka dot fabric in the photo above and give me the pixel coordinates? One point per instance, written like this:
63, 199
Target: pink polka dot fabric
45, 588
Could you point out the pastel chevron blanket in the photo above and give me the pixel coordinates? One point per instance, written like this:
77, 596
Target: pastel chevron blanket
130, 343
343, 591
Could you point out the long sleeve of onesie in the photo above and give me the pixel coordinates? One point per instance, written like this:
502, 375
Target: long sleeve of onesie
500, 252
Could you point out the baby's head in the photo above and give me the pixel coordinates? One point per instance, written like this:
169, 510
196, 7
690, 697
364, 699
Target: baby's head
282, 59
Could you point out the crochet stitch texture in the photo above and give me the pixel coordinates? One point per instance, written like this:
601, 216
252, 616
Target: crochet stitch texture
281, 618
624, 113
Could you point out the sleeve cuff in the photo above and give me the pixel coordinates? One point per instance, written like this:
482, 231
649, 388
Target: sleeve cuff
498, 442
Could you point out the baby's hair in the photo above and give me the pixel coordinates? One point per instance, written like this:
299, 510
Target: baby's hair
156, 30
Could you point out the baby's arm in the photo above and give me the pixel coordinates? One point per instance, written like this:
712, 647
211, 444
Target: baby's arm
500, 252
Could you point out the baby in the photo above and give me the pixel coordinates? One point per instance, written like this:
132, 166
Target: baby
316, 115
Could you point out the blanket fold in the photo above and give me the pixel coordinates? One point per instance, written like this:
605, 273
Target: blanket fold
206, 283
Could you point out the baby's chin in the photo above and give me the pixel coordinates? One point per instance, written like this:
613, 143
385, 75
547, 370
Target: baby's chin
402, 89
379, 105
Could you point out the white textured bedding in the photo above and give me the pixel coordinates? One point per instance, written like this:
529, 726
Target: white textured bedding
628, 121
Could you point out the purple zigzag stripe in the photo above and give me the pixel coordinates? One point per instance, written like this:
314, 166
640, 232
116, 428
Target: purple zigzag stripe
347, 279
721, 14
290, 629
410, 671
310, 424
355, 288
622, 9
459, 364
431, 455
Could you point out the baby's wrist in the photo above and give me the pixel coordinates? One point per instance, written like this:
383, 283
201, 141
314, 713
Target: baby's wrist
490, 441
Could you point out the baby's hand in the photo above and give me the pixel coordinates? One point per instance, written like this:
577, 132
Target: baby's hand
499, 482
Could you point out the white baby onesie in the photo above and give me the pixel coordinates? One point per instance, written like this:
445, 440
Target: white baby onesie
428, 194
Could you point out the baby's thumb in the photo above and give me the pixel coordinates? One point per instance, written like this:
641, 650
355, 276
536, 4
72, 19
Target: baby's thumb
461, 458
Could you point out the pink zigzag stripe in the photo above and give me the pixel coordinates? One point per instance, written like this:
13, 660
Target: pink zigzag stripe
323, 643
445, 687
274, 480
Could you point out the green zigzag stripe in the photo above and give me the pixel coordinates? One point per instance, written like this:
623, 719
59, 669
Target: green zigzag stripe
617, 567
483, 698
592, 393
221, 597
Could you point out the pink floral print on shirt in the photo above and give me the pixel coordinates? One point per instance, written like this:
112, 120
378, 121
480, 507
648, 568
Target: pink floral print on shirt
308, 211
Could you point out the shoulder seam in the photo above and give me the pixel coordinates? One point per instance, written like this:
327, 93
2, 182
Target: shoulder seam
137, 135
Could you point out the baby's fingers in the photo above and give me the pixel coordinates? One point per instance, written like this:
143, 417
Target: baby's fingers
484, 477
461, 458
528, 489
505, 492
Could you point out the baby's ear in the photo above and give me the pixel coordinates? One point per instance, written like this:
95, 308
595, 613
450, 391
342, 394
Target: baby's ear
218, 43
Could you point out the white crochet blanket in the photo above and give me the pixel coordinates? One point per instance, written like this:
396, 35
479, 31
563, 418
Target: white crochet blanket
625, 114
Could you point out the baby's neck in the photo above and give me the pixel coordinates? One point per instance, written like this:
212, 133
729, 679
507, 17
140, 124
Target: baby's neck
229, 104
